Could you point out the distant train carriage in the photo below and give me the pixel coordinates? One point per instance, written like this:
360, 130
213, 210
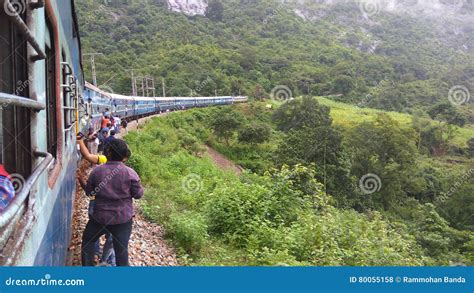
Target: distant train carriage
144, 106
97, 102
165, 104
185, 102
122, 106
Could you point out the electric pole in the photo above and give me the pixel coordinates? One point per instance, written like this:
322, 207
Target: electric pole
94, 73
134, 84
163, 86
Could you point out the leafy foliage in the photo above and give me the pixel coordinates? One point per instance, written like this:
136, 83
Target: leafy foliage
225, 124
285, 216
248, 47
255, 133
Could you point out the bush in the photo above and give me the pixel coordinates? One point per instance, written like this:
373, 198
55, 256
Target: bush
189, 231
255, 134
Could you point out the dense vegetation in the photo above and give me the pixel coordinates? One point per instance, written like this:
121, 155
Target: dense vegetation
302, 205
391, 61
371, 166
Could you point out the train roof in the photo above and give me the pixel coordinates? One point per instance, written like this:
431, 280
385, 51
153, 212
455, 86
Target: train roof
96, 89
121, 97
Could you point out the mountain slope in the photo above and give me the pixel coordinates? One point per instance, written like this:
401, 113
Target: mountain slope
399, 61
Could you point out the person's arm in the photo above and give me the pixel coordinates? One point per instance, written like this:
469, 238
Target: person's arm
136, 188
82, 182
94, 159
90, 186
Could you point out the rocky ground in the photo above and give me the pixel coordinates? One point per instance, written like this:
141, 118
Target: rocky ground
147, 246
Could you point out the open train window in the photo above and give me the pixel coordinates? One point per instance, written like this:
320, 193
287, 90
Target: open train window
15, 135
51, 99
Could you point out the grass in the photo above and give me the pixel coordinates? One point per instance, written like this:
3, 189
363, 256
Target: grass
348, 116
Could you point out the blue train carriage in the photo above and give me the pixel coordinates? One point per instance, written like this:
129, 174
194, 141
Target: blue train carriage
165, 104
95, 103
183, 103
144, 106
204, 101
42, 82
122, 106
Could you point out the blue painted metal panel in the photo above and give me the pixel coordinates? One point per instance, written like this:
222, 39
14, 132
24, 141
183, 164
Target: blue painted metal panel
53, 248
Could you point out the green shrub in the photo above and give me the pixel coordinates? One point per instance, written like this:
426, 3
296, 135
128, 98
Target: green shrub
189, 231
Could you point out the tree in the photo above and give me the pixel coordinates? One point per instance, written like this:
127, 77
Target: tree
447, 112
382, 148
215, 10
255, 134
343, 85
259, 92
225, 123
310, 138
190, 143
470, 145
300, 113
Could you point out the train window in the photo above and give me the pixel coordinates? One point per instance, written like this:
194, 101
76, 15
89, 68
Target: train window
51, 99
15, 135
66, 91
69, 97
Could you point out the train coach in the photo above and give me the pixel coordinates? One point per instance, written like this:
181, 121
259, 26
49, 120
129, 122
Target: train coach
42, 81
97, 102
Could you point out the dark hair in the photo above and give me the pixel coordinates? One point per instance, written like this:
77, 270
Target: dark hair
116, 150
113, 132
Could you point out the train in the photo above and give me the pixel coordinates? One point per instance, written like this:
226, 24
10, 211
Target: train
96, 102
44, 103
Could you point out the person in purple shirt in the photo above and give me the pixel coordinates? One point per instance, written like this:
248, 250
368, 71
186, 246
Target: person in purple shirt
114, 186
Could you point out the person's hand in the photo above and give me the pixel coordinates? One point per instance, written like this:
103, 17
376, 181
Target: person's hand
79, 136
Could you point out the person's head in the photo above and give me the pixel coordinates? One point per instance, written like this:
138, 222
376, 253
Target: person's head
112, 132
117, 151
105, 132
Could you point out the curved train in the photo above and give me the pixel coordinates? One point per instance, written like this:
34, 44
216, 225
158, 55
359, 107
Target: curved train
96, 101
44, 102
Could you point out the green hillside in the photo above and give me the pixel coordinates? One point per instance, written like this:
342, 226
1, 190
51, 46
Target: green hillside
249, 47
296, 214
347, 115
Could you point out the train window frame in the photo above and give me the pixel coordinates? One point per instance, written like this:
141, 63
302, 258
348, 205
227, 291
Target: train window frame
15, 124
50, 97
53, 31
